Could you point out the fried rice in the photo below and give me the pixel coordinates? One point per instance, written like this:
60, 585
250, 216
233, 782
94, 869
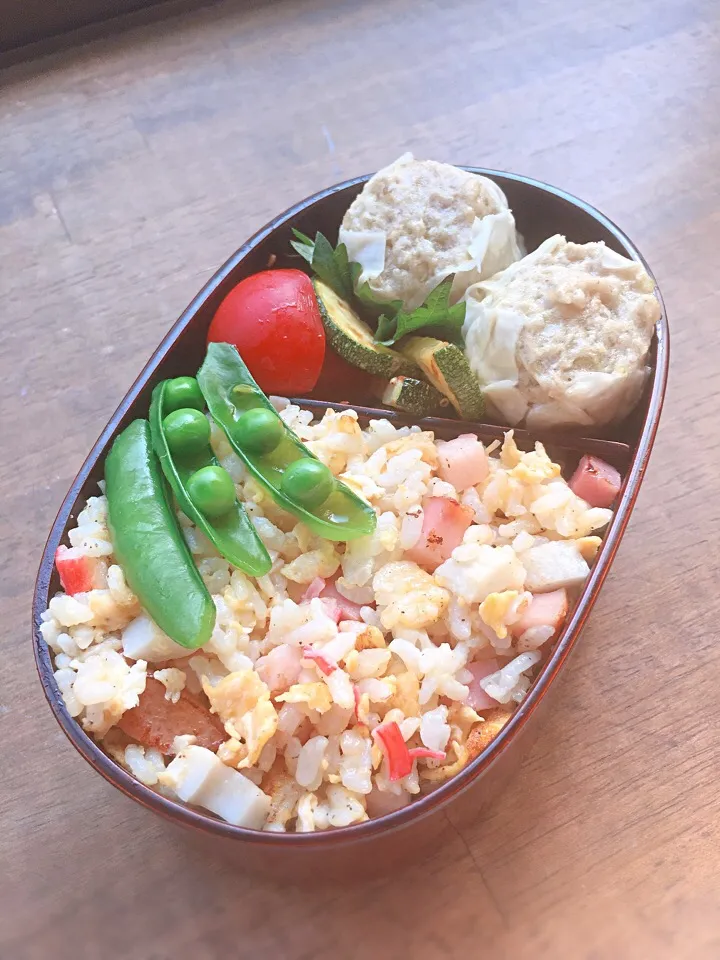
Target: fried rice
307, 665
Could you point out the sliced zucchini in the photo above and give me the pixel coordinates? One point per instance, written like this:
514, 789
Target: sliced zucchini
350, 337
415, 397
447, 368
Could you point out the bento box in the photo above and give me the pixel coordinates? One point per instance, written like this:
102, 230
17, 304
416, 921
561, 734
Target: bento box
311, 590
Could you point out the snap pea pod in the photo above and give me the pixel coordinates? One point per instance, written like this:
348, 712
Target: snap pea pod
294, 477
232, 532
148, 543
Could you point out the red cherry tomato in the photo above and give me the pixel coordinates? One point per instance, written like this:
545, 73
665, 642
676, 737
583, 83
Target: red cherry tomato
274, 321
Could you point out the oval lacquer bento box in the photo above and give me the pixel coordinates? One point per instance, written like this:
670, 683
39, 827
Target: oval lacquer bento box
540, 211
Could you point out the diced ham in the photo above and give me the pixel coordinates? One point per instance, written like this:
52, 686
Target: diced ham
346, 609
336, 605
462, 461
477, 698
155, 722
544, 610
444, 524
314, 589
332, 609
596, 482
280, 668
79, 573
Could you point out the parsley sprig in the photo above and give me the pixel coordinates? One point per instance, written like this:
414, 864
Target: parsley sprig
435, 315
332, 265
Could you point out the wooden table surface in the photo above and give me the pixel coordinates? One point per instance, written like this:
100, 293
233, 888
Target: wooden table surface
129, 170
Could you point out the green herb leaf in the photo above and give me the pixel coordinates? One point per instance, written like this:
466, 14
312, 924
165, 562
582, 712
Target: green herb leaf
373, 304
330, 265
334, 267
434, 314
386, 329
303, 245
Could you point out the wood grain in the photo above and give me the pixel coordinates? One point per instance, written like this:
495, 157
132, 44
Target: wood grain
27, 22
129, 169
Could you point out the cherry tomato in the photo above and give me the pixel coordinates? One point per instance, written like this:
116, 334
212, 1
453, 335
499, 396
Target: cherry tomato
274, 321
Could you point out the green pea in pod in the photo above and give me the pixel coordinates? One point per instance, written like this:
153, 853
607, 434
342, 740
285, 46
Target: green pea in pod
203, 489
148, 543
293, 476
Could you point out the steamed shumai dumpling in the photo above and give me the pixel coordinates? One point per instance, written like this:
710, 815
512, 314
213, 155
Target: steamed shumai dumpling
561, 337
418, 221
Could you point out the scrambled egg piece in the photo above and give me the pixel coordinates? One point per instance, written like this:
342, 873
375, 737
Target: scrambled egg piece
363, 486
284, 793
370, 637
321, 562
410, 596
107, 613
499, 609
315, 695
447, 770
242, 701
535, 466
504, 494
462, 719
515, 471
405, 698
481, 735
510, 453
423, 441
232, 753
588, 547
363, 709
245, 601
